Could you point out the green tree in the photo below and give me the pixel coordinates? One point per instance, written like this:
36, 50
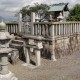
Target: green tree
74, 13
42, 8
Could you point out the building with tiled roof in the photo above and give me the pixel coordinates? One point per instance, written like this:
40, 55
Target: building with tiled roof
56, 9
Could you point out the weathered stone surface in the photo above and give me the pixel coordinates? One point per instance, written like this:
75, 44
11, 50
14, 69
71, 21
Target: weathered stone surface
9, 76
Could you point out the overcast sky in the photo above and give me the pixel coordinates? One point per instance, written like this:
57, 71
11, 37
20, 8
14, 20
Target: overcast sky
10, 7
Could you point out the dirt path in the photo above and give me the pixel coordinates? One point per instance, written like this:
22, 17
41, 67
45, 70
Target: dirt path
66, 68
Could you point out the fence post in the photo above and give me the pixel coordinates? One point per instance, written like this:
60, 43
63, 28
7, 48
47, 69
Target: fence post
53, 44
20, 22
52, 31
32, 20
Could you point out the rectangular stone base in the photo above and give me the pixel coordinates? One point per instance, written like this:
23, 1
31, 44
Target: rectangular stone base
9, 76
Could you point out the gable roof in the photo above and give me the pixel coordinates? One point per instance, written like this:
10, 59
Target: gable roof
58, 7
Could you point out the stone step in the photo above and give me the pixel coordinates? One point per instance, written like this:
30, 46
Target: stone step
17, 37
16, 45
18, 41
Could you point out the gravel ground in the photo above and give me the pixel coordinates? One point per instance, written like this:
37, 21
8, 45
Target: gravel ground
66, 68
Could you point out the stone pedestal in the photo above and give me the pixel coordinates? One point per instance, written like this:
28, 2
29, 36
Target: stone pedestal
38, 57
5, 74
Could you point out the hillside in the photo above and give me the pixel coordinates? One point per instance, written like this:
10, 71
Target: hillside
8, 18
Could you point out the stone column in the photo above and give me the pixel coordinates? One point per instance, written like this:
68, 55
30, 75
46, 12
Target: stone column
64, 29
11, 28
52, 31
38, 52
8, 28
32, 20
14, 28
38, 55
20, 22
53, 56
36, 29
27, 52
47, 31
52, 51
59, 30
39, 29
27, 56
79, 27
43, 30
71, 29
52, 44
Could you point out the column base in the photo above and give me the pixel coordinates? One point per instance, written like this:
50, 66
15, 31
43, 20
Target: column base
30, 66
54, 59
9, 76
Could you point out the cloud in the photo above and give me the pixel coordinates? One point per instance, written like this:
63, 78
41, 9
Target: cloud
37, 1
10, 7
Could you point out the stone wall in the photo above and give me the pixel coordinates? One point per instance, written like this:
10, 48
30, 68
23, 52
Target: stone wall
62, 46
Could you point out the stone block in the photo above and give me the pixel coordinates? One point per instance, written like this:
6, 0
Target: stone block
31, 41
31, 49
39, 45
9, 76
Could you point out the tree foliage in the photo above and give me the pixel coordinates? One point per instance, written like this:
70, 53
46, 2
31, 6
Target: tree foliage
38, 7
74, 13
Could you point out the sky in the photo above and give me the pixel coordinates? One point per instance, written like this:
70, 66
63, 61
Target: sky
9, 7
